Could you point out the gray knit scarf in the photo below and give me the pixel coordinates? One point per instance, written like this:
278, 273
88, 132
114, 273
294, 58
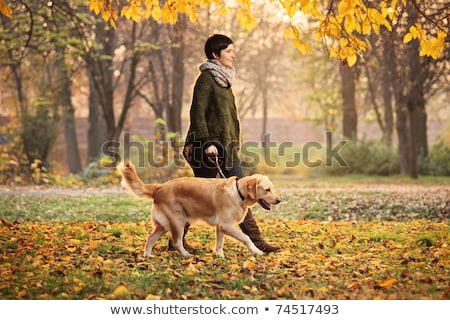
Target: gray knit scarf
223, 76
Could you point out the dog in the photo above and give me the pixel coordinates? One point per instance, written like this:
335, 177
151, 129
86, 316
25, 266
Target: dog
222, 203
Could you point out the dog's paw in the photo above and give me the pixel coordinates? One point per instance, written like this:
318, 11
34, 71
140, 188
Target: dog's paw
147, 255
220, 254
257, 252
186, 255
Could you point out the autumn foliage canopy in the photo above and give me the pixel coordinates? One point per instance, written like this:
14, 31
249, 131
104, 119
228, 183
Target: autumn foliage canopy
342, 25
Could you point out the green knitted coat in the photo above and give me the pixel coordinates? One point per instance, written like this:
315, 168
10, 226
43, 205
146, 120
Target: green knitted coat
214, 117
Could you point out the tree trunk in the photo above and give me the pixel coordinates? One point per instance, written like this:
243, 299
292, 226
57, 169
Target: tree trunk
388, 68
388, 116
15, 68
70, 133
402, 136
97, 133
412, 122
106, 36
131, 89
265, 105
398, 83
101, 100
422, 131
350, 118
174, 111
415, 97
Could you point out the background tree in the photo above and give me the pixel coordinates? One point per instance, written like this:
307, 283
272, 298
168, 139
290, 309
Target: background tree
125, 65
150, 62
400, 79
37, 93
349, 78
65, 72
44, 48
378, 70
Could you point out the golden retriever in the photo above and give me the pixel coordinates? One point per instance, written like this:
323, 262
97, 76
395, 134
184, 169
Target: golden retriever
222, 203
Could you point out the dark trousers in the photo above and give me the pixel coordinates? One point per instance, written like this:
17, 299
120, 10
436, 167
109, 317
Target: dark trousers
212, 171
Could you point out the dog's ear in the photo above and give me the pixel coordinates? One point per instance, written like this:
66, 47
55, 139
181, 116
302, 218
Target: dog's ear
252, 184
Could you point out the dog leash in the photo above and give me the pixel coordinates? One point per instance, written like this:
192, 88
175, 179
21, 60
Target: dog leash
216, 162
219, 169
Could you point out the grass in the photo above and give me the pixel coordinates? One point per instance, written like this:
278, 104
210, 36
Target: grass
319, 261
330, 198
344, 238
70, 208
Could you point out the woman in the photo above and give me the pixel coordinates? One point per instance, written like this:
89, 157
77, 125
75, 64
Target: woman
214, 130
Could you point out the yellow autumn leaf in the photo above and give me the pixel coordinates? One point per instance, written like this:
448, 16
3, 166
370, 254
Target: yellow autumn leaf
249, 263
433, 47
295, 31
286, 4
307, 6
343, 42
22, 292
152, 297
334, 53
223, 10
323, 290
105, 15
120, 290
71, 249
287, 33
344, 7
388, 283
156, 13
407, 38
126, 12
191, 270
129, 12
169, 14
376, 16
366, 27
394, 5
5, 9
78, 285
148, 12
192, 15
246, 19
292, 10
299, 46
321, 258
206, 279
351, 60
349, 23
94, 5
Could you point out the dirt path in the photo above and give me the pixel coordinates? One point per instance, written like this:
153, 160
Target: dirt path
297, 186
60, 191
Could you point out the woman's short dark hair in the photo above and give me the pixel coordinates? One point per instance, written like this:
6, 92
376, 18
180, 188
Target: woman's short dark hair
216, 43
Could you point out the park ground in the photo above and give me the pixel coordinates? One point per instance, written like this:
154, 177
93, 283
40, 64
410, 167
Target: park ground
341, 238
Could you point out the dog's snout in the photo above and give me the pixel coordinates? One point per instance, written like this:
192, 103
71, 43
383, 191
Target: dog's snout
278, 200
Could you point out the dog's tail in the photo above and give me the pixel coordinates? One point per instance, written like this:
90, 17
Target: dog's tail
134, 183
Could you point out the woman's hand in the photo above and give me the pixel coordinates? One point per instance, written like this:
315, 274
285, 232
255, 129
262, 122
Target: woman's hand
211, 151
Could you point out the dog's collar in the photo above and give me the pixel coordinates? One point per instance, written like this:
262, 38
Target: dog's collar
239, 191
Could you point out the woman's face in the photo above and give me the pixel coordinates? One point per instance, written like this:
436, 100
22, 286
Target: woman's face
226, 56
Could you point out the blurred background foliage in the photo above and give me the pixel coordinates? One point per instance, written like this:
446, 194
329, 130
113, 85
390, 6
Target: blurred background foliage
61, 65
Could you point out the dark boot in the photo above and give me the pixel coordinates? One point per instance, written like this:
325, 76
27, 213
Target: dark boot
185, 244
250, 228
